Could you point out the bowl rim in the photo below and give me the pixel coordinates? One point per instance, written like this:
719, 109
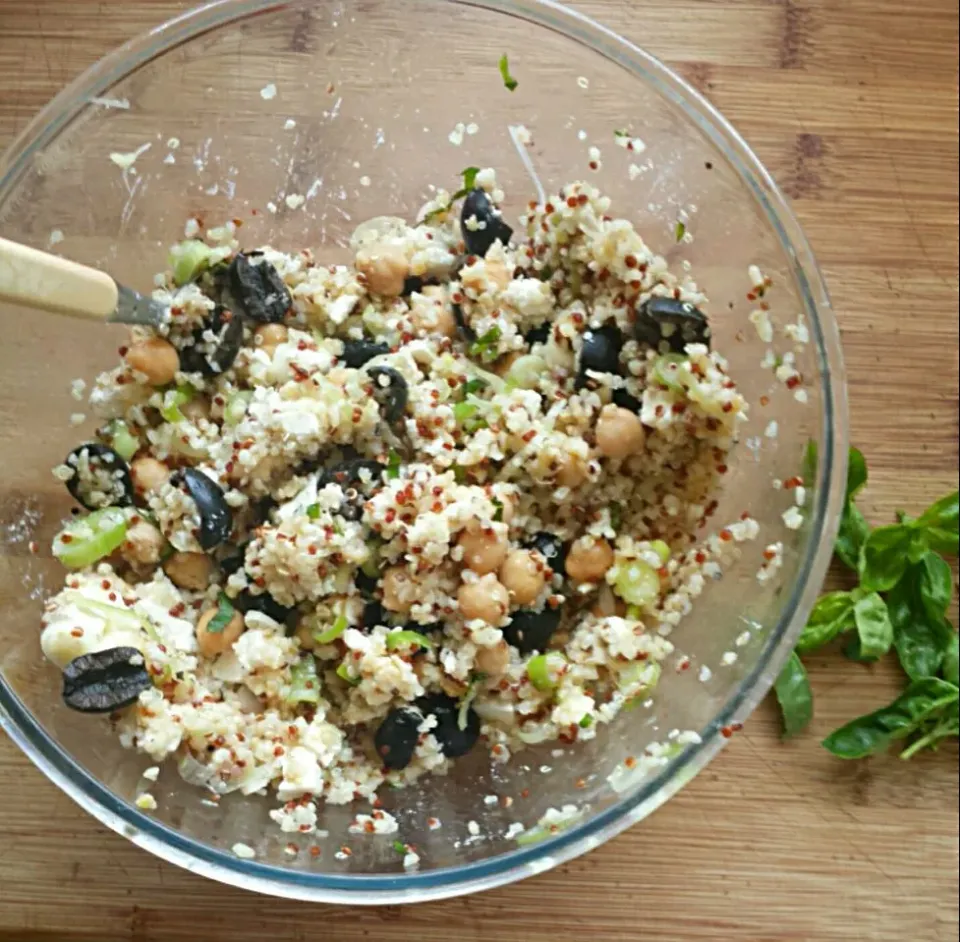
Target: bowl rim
221, 865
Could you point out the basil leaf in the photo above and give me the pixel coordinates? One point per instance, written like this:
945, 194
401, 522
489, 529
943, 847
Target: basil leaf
874, 732
853, 651
951, 667
225, 611
874, 630
851, 536
830, 618
856, 472
935, 585
883, 557
939, 522
792, 689
919, 642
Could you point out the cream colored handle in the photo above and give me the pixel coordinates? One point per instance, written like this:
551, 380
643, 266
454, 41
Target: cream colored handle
38, 279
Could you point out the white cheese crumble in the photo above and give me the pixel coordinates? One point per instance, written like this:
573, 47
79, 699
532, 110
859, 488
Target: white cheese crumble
244, 851
792, 518
268, 92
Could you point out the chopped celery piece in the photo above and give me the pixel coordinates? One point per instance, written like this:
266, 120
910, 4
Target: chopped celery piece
343, 672
404, 637
666, 370
304, 683
117, 616
189, 259
122, 440
526, 371
329, 635
661, 549
464, 410
543, 670
225, 612
172, 400
637, 583
639, 676
84, 541
236, 407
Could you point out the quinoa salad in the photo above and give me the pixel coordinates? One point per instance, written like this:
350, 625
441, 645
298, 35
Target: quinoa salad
344, 525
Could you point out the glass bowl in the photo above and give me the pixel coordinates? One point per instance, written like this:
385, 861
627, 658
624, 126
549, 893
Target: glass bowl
301, 119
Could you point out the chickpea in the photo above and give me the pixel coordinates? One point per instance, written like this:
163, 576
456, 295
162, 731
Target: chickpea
494, 661
496, 269
452, 687
143, 545
197, 408
483, 551
304, 635
523, 577
156, 358
399, 590
385, 268
619, 432
503, 364
485, 599
433, 315
212, 643
269, 336
148, 475
589, 559
189, 570
572, 471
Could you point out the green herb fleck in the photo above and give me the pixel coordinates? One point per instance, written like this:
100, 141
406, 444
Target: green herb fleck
586, 721
393, 465
472, 386
313, 511
509, 82
459, 473
679, 230
498, 510
400, 847
225, 611
621, 132
485, 345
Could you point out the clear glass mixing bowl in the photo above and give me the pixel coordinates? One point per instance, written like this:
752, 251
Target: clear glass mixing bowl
366, 94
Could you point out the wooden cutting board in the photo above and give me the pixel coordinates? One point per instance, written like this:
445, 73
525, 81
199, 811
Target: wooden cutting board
852, 104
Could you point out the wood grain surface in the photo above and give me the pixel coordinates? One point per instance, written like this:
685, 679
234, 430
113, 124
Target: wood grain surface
852, 104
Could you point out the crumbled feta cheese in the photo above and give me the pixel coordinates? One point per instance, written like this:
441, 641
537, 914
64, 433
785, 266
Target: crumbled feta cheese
268, 92
792, 518
151, 774
244, 851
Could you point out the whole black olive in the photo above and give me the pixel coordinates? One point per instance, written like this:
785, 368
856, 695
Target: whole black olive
212, 358
255, 291
216, 518
478, 205
101, 478
105, 680
358, 352
410, 284
623, 399
264, 603
539, 334
466, 331
551, 548
666, 323
373, 614
600, 353
233, 562
366, 584
390, 391
454, 742
396, 737
531, 631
